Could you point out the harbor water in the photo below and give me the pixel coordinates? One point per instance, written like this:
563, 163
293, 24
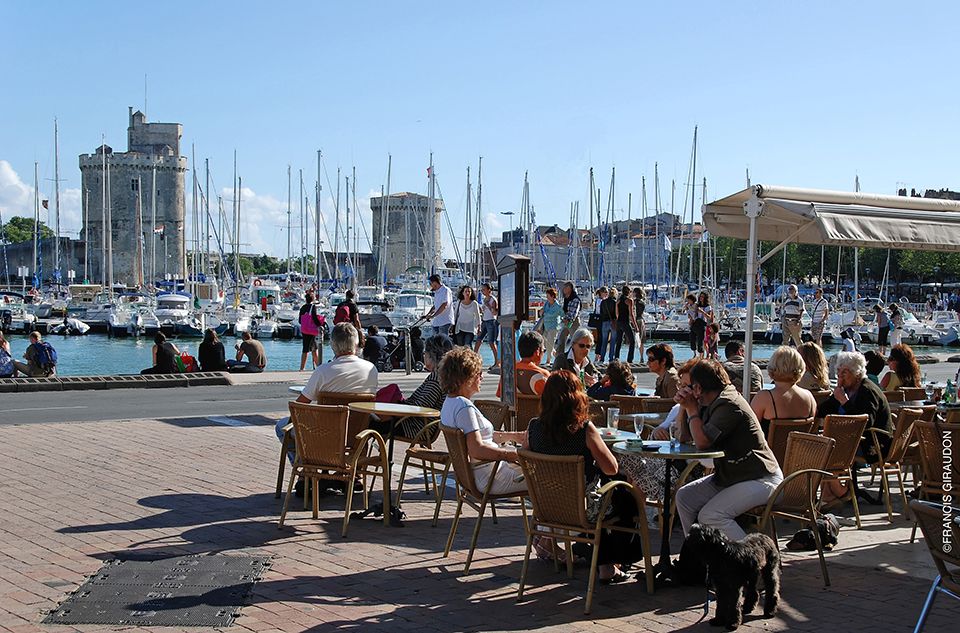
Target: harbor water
99, 355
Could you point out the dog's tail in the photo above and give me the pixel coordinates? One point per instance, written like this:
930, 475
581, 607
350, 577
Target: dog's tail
771, 582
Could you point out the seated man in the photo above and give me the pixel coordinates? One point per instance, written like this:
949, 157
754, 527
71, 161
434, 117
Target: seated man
734, 366
374, 345
346, 373
531, 377
39, 357
256, 356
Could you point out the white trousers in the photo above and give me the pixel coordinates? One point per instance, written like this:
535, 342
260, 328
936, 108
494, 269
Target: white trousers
704, 501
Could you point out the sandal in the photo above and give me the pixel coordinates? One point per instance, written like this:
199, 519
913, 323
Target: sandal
615, 579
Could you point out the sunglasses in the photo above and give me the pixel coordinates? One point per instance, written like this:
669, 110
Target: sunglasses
583, 345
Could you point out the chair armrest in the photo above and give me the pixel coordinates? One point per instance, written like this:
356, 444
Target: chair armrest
424, 434
366, 436
288, 427
874, 436
606, 494
875, 431
806, 472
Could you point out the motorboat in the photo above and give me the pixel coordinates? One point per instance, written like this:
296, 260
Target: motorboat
71, 326
410, 307
172, 309
14, 315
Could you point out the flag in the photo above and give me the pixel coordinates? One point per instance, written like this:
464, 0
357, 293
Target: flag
158, 229
667, 244
633, 245
46, 204
705, 237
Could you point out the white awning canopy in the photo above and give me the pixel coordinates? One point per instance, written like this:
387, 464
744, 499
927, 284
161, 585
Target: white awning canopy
838, 218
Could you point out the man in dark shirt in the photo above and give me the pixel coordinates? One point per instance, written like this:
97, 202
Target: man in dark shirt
256, 356
734, 366
374, 345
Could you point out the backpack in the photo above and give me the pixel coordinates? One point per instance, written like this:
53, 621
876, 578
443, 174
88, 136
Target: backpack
342, 315
6, 364
46, 356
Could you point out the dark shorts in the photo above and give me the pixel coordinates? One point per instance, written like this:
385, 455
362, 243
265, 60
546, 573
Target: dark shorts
488, 331
309, 343
883, 335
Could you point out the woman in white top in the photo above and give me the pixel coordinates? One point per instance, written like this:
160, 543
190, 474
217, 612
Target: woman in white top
460, 373
466, 317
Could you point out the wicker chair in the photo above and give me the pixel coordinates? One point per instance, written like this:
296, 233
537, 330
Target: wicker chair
822, 396
911, 457
628, 404
911, 394
496, 412
847, 430
658, 405
432, 461
358, 422
890, 463
598, 414
952, 416
559, 511
322, 453
468, 492
795, 498
527, 407
894, 396
930, 435
780, 429
931, 519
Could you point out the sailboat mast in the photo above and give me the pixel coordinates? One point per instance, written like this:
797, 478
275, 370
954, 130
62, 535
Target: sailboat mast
303, 228
656, 227
336, 232
138, 234
56, 199
236, 261
103, 213
206, 198
288, 222
36, 220
629, 275
479, 253
384, 227
643, 230
153, 226
86, 236
109, 230
356, 233
593, 261
317, 192
693, 195
468, 226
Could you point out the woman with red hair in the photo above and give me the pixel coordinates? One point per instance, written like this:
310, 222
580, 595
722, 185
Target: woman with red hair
564, 428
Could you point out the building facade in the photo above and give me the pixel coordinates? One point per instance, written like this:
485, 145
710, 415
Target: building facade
142, 193
412, 232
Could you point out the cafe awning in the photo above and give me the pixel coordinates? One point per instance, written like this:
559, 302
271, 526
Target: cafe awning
838, 218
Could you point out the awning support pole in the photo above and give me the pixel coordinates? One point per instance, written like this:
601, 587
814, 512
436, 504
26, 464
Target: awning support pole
753, 208
783, 244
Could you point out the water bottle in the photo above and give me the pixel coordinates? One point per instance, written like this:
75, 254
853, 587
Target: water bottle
950, 393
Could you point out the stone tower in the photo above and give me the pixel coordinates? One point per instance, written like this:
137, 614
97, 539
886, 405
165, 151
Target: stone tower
409, 241
152, 156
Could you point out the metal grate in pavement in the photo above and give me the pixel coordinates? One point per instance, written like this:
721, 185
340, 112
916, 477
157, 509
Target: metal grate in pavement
181, 591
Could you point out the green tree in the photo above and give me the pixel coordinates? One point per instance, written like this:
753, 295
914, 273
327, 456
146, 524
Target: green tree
21, 230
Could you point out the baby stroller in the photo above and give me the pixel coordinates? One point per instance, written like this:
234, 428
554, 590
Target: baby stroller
398, 350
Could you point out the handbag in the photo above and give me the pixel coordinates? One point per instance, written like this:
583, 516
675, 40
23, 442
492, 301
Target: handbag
595, 500
593, 321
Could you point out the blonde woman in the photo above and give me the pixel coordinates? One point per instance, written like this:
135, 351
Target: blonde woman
816, 376
787, 399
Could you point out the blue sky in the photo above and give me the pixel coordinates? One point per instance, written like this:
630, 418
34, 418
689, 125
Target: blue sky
803, 94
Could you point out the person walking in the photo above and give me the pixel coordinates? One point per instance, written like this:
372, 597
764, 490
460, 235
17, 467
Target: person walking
310, 324
549, 323
571, 317
639, 307
441, 314
466, 317
608, 324
626, 324
821, 310
896, 317
883, 329
488, 326
790, 314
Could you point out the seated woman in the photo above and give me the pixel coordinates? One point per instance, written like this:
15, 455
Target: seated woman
816, 376
564, 428
577, 359
904, 369
460, 373
719, 418
787, 399
429, 394
875, 364
164, 354
617, 381
660, 362
211, 355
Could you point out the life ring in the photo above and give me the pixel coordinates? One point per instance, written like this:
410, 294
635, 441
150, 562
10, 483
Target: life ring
257, 282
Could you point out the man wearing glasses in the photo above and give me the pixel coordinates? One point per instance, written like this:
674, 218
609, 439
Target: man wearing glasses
660, 362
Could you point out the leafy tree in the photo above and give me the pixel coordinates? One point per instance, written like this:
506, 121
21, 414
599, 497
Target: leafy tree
21, 230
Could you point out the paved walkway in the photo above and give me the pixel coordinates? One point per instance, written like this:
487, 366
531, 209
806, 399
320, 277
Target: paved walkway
75, 495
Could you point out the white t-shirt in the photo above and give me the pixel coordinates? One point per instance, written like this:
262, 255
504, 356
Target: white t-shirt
820, 308
489, 307
348, 373
460, 413
468, 316
441, 296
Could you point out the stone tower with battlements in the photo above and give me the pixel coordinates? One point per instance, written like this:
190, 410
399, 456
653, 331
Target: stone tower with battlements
143, 183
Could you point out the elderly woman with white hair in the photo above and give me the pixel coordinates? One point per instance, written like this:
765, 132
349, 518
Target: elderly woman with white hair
577, 358
790, 314
856, 394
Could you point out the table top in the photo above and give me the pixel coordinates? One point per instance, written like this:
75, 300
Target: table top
296, 388
389, 408
911, 404
663, 451
618, 436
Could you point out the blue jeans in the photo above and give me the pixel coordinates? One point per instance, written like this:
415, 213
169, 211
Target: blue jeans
441, 329
606, 335
282, 422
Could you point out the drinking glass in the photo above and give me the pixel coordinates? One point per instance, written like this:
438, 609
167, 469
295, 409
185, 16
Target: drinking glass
613, 414
674, 440
929, 389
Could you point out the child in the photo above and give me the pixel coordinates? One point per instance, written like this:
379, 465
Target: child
711, 341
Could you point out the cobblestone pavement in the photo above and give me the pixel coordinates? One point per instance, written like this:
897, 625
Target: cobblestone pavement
75, 495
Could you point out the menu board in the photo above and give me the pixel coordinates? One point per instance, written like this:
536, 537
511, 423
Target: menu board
508, 294
508, 376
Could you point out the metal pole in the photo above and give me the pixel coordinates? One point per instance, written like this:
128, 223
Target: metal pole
753, 208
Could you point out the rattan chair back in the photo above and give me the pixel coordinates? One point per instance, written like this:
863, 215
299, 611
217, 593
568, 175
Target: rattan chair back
902, 433
628, 404
527, 408
928, 412
598, 412
847, 430
658, 405
803, 451
495, 411
321, 432
894, 396
952, 416
931, 437
780, 429
556, 487
822, 396
456, 443
914, 393
358, 420
940, 539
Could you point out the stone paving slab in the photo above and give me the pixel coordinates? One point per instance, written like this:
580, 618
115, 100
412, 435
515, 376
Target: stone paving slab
76, 495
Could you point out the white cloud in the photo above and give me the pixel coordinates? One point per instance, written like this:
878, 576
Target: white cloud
17, 199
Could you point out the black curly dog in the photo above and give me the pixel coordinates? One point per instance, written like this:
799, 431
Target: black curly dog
735, 566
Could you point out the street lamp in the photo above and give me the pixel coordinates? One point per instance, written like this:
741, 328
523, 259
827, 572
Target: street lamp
510, 213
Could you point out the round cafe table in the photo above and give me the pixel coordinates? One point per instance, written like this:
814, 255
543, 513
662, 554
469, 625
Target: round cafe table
396, 413
662, 450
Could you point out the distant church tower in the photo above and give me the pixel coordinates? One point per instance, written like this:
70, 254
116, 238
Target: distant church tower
151, 167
